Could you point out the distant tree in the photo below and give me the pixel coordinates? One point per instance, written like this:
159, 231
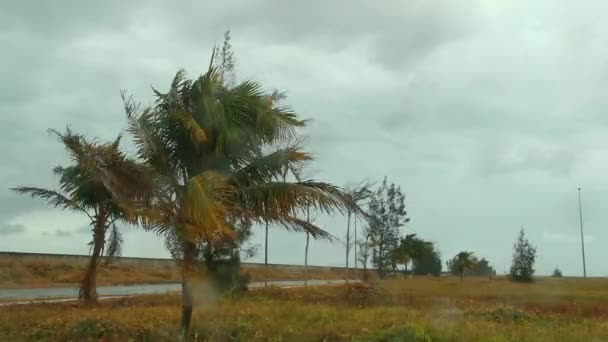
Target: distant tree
428, 261
524, 256
365, 251
557, 273
481, 268
409, 250
387, 216
463, 261
404, 252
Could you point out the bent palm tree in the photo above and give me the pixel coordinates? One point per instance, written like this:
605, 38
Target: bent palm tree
356, 195
464, 261
202, 146
82, 192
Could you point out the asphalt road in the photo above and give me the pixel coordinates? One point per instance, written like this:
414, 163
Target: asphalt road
64, 294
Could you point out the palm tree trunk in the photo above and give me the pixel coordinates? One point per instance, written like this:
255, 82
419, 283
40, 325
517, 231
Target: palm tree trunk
266, 257
187, 298
88, 285
347, 247
306, 250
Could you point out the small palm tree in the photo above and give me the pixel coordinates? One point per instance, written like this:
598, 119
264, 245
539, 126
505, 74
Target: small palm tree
464, 261
357, 195
81, 191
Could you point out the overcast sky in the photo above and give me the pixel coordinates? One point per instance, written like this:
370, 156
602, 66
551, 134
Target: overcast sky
489, 114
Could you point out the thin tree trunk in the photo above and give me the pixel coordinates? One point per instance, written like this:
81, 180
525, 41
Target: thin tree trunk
461, 275
306, 250
355, 246
266, 257
187, 298
347, 247
88, 285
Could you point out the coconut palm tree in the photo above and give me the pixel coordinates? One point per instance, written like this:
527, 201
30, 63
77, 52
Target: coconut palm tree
203, 145
356, 195
81, 191
464, 261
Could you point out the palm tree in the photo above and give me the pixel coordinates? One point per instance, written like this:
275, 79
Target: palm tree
81, 191
356, 195
464, 261
365, 247
297, 173
203, 145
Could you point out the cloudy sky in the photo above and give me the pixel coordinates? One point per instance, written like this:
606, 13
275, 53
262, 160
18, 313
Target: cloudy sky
489, 114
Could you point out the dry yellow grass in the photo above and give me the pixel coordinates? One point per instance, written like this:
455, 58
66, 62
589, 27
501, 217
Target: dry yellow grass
420, 309
32, 272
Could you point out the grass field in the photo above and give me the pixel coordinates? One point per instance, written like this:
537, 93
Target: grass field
31, 272
419, 309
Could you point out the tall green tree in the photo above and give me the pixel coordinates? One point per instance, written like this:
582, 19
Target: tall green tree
481, 268
524, 256
410, 248
81, 191
428, 261
209, 149
387, 216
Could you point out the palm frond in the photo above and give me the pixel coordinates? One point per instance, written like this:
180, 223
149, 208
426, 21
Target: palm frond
272, 166
277, 199
207, 203
299, 225
54, 198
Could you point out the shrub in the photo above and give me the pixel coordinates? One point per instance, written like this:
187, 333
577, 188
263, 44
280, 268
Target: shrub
399, 334
365, 294
557, 273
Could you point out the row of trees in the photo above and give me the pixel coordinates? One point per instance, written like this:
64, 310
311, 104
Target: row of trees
522, 266
467, 264
383, 240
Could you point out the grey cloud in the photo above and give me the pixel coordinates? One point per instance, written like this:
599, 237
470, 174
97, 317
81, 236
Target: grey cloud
83, 230
9, 229
476, 109
63, 233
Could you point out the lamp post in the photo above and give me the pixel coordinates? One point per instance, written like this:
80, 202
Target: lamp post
580, 211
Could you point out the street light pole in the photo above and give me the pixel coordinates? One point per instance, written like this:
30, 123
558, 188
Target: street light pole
580, 210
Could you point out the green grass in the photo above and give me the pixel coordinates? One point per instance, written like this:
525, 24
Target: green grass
422, 309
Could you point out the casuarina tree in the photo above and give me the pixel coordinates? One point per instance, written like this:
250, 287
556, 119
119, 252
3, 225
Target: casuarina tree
524, 256
387, 216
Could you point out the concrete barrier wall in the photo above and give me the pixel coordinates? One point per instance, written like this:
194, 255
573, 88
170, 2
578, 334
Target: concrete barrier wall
155, 262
